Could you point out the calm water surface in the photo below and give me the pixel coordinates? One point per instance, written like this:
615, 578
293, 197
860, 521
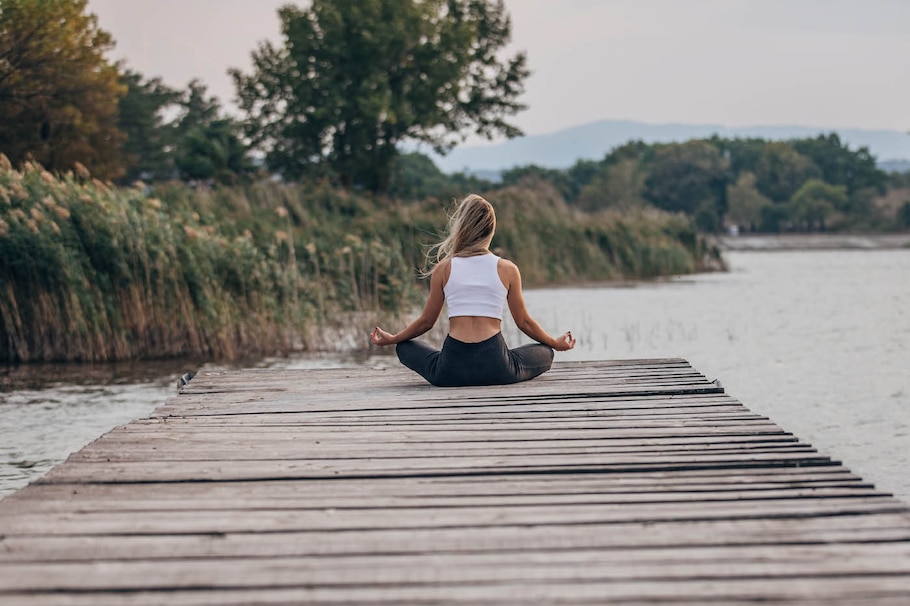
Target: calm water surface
818, 341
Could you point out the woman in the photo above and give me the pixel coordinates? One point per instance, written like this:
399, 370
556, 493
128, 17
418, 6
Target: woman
475, 284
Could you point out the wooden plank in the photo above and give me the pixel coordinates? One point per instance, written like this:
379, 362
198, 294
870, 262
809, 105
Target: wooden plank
337, 518
187, 471
262, 451
622, 536
382, 571
166, 500
840, 592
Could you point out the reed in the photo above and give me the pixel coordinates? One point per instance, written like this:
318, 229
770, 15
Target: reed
557, 244
90, 272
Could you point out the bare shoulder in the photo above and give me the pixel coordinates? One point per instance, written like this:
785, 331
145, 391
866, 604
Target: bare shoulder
508, 273
506, 266
442, 270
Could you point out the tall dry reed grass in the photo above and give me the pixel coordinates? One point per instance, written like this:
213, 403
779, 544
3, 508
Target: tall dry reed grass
90, 272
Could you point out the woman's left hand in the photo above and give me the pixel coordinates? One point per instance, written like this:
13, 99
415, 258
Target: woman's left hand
565, 342
381, 337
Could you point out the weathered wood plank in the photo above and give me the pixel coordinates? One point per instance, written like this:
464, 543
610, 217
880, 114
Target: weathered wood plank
697, 592
578, 566
622, 536
337, 518
163, 501
188, 471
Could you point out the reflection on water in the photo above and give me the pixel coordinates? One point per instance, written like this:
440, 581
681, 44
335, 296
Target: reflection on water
817, 341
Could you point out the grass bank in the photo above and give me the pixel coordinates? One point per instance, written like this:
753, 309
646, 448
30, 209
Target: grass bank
90, 272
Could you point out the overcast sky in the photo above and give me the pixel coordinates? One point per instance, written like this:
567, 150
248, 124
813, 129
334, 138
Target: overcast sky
824, 63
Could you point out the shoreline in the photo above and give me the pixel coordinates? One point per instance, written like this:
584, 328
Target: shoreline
846, 241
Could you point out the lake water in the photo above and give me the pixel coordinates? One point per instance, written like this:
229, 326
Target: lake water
819, 341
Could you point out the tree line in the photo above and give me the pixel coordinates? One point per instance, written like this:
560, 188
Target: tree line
810, 184
352, 80
751, 185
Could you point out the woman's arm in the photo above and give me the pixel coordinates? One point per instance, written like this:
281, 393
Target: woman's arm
523, 320
427, 318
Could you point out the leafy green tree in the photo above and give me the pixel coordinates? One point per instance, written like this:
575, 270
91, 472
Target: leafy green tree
213, 152
903, 215
839, 165
198, 109
745, 204
692, 178
774, 217
743, 154
617, 181
356, 77
781, 170
619, 185
417, 177
579, 175
58, 93
197, 143
862, 210
149, 138
814, 203
528, 173
633, 150
208, 145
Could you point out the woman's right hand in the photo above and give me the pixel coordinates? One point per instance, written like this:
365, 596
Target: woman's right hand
565, 342
381, 337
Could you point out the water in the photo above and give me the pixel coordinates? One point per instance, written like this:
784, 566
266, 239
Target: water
50, 411
817, 341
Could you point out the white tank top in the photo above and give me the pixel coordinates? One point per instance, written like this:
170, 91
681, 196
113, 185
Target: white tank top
474, 287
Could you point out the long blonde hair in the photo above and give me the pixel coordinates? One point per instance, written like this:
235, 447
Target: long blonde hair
469, 232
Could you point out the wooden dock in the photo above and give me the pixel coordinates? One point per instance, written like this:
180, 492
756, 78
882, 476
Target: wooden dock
622, 482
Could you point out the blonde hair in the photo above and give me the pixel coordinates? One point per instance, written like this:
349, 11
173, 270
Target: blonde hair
468, 234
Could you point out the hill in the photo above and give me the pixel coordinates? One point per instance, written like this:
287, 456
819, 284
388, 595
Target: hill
895, 166
592, 141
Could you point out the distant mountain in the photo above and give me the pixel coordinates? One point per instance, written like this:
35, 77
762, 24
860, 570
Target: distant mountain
594, 140
894, 166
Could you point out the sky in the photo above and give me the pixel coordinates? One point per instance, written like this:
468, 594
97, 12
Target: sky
820, 63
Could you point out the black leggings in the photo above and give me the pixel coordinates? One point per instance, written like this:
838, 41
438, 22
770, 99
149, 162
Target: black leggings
489, 362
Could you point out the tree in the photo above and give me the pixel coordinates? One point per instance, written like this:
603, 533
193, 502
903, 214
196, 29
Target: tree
213, 152
839, 165
197, 143
781, 170
617, 185
417, 178
903, 216
745, 204
356, 77
198, 109
577, 177
208, 145
150, 140
743, 154
58, 94
529, 173
692, 178
814, 203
